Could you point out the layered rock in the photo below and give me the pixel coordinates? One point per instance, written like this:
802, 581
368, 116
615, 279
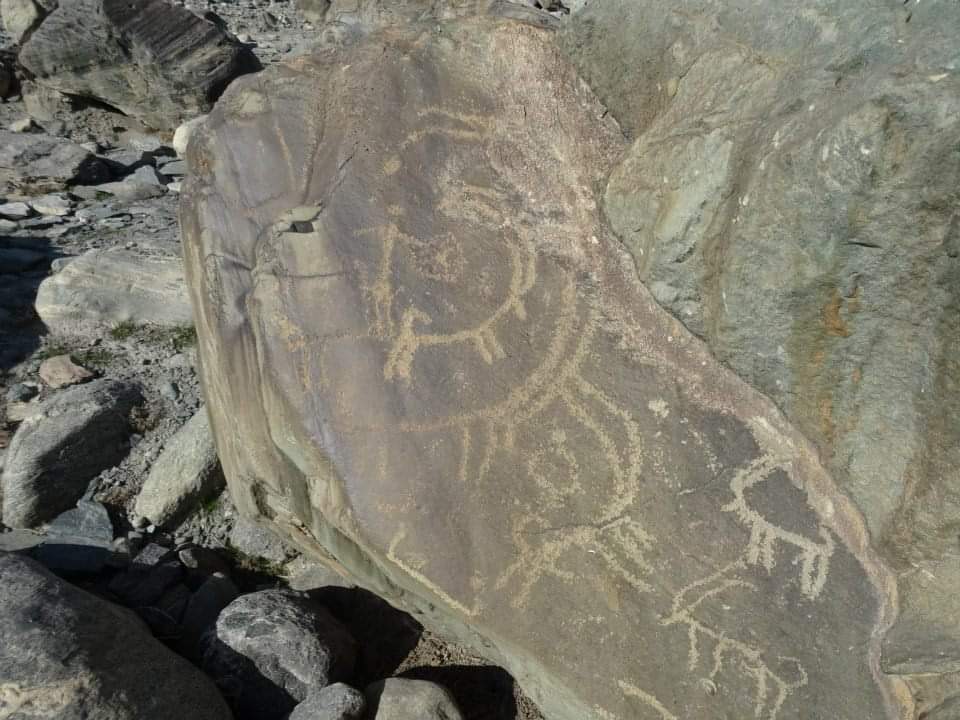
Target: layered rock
65, 653
425, 356
792, 198
105, 287
149, 58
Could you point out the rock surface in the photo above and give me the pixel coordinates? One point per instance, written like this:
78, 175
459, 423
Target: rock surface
41, 163
149, 58
67, 654
402, 699
792, 198
186, 474
58, 449
62, 371
103, 288
334, 702
424, 355
271, 648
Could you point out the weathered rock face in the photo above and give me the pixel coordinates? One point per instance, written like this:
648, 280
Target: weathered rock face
149, 58
792, 198
425, 356
69, 655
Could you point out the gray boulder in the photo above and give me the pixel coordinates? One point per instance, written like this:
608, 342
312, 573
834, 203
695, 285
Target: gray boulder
402, 699
34, 162
424, 354
791, 198
149, 58
57, 450
185, 474
105, 287
334, 702
271, 648
69, 655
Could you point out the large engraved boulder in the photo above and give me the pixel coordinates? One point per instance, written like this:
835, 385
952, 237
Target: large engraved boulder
428, 361
792, 197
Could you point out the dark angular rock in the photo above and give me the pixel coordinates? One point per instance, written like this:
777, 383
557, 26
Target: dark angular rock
203, 608
149, 58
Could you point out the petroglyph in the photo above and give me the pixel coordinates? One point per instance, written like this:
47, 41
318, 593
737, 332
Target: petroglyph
770, 690
648, 699
452, 377
815, 556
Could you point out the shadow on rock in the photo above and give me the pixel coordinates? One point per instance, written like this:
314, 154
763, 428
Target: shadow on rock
385, 636
24, 263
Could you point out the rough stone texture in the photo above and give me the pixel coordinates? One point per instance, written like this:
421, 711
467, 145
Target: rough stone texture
61, 371
334, 702
21, 17
181, 137
103, 288
253, 539
424, 355
42, 163
271, 648
68, 655
149, 58
402, 699
186, 473
57, 450
347, 20
792, 198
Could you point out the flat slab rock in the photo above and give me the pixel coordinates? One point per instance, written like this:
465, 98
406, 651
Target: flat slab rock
425, 355
67, 654
105, 287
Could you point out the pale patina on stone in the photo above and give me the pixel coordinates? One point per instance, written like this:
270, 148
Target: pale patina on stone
426, 358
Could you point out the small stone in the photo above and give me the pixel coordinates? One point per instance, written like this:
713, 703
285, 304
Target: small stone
53, 204
132, 190
170, 390
146, 175
303, 575
203, 560
22, 126
62, 371
181, 137
21, 392
334, 702
175, 186
176, 168
15, 210
7, 225
402, 699
88, 520
257, 541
